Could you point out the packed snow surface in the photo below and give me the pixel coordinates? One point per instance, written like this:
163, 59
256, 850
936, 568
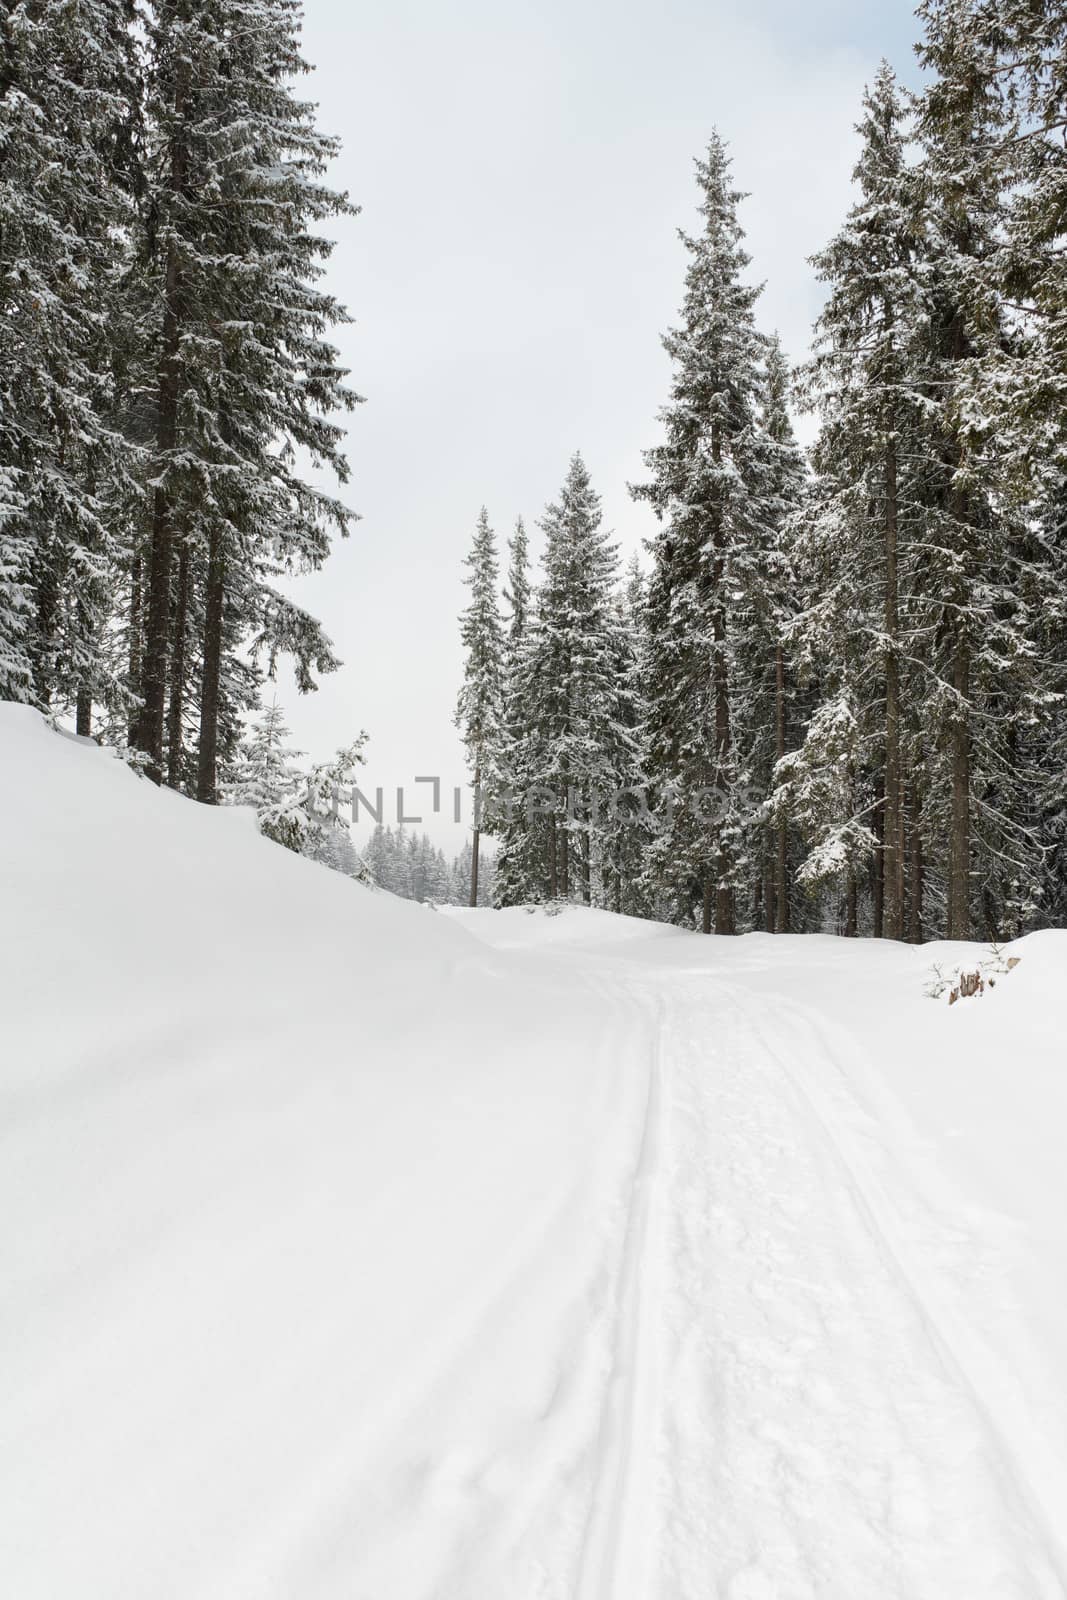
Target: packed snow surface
354, 1250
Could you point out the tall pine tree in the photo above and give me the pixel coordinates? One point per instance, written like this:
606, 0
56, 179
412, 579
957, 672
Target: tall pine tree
480, 704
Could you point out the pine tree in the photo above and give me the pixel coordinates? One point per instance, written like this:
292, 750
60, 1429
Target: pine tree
986, 585
68, 104
517, 588
238, 370
479, 707
869, 376
573, 699
770, 724
507, 809
303, 809
624, 825
266, 777
712, 487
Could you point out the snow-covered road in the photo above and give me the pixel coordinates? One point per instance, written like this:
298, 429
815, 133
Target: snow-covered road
793, 1410
357, 1252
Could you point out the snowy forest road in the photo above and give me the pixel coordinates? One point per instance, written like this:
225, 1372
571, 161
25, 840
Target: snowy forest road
787, 1416
505, 1255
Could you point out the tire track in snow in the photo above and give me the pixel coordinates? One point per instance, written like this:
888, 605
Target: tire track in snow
615, 1557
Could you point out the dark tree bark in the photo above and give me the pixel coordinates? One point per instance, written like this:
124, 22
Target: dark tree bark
47, 607
177, 673
207, 760
851, 907
915, 869
553, 863
135, 641
959, 872
878, 870
476, 837
149, 729
893, 817
781, 876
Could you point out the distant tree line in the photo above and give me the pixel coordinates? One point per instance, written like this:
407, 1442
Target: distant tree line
411, 866
839, 699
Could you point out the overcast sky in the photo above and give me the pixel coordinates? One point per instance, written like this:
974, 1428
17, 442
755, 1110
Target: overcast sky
523, 167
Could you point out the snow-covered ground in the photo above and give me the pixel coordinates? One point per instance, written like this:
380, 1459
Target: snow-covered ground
354, 1250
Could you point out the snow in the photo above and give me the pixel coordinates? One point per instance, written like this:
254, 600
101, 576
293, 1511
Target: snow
356, 1250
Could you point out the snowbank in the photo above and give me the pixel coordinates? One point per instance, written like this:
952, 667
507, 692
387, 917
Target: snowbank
305, 1226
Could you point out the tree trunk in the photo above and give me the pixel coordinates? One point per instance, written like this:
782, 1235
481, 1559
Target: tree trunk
176, 711
706, 919
915, 869
553, 869
893, 827
724, 898
83, 725
476, 838
44, 644
878, 870
851, 918
724, 904
781, 876
135, 641
959, 874
214, 612
149, 728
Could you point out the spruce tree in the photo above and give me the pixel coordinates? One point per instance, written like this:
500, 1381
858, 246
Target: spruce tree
238, 370
869, 377
508, 818
68, 107
480, 703
574, 701
985, 584
712, 486
771, 727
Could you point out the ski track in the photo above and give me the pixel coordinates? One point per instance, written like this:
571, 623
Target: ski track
615, 1552
785, 1418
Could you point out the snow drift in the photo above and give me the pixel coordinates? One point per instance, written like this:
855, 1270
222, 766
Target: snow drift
307, 1207
355, 1250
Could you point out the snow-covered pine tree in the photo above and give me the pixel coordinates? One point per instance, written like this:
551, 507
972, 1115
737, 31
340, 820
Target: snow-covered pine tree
266, 777
68, 102
1000, 71
575, 705
868, 379
303, 809
237, 366
987, 578
768, 719
517, 875
517, 585
624, 823
992, 124
480, 703
712, 487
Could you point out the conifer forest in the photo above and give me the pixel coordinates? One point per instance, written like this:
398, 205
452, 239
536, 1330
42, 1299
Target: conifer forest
829, 694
